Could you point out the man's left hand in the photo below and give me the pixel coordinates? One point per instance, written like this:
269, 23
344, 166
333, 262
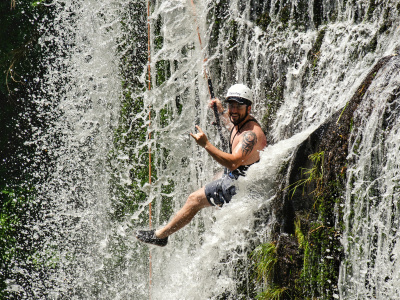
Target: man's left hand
200, 137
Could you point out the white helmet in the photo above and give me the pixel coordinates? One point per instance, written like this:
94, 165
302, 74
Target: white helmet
240, 93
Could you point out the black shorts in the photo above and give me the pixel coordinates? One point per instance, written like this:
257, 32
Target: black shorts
220, 191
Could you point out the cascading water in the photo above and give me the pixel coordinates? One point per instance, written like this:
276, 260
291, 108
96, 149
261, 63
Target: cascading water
372, 200
79, 99
304, 61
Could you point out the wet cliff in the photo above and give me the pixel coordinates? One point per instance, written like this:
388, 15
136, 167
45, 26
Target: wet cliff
109, 151
312, 196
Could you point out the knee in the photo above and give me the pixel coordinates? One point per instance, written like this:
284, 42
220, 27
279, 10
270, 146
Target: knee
193, 201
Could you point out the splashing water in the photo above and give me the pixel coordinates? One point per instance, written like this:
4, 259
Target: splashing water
372, 231
79, 99
87, 253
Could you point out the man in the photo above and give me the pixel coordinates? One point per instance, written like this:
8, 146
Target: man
245, 143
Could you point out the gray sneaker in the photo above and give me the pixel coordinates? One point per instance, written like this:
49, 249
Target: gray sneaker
149, 237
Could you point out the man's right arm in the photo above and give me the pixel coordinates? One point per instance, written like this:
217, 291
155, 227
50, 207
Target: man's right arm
230, 161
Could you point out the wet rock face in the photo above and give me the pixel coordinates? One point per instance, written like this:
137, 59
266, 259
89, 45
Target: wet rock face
331, 138
310, 200
289, 260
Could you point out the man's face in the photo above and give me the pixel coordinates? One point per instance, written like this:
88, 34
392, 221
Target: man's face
237, 112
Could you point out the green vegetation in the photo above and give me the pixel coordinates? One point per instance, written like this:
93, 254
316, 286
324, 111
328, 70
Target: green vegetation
315, 52
284, 15
300, 15
276, 270
274, 99
265, 258
318, 235
371, 8
132, 137
273, 293
318, 13
321, 248
20, 57
263, 21
132, 133
313, 175
305, 265
10, 220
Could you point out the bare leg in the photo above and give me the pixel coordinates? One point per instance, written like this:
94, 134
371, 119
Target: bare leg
195, 202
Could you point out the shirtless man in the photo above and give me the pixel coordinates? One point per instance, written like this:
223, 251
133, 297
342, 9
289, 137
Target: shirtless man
245, 143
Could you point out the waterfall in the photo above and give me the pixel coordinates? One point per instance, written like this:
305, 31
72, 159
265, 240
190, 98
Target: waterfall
372, 203
303, 59
79, 99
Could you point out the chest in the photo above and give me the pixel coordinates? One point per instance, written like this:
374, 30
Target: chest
234, 138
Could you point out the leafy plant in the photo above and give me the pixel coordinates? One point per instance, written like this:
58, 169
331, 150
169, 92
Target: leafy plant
265, 258
314, 174
273, 293
301, 239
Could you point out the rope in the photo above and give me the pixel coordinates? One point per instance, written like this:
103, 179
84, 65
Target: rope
149, 88
209, 83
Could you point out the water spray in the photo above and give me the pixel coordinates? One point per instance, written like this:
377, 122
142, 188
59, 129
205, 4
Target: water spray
209, 83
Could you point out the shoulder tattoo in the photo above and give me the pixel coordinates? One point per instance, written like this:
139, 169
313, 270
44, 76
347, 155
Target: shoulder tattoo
249, 140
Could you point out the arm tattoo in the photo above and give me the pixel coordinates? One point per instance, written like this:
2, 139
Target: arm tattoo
249, 140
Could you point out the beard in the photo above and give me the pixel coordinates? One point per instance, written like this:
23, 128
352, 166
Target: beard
238, 120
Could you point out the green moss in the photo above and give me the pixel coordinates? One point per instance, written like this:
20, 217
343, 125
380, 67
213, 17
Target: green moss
313, 175
132, 132
313, 57
301, 17
276, 268
284, 15
158, 37
265, 258
371, 9
373, 44
301, 239
273, 293
318, 13
274, 100
317, 233
318, 236
313, 54
263, 21
233, 34
320, 221
217, 15
242, 274
14, 205
385, 26
163, 71
320, 267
